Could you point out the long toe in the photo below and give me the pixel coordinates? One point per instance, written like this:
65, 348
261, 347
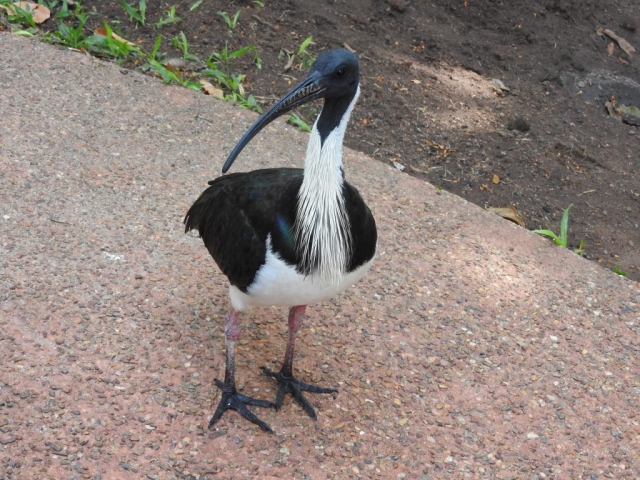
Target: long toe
290, 384
232, 400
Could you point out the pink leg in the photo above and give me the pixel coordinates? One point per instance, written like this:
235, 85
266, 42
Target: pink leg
231, 399
287, 383
296, 317
232, 333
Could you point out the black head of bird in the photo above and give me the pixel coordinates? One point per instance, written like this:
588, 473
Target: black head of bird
287, 236
335, 76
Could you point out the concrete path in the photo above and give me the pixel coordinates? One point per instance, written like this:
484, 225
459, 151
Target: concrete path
473, 348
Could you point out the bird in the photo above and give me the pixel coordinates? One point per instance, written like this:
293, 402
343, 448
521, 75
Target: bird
288, 236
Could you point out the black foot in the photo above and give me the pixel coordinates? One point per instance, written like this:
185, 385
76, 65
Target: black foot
295, 387
231, 399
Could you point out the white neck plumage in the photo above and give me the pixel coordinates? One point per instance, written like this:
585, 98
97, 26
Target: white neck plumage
323, 233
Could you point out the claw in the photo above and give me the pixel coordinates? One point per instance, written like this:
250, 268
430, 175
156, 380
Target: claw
289, 384
233, 400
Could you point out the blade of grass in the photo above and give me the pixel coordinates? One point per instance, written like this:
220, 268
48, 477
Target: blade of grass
196, 5
156, 47
550, 234
564, 227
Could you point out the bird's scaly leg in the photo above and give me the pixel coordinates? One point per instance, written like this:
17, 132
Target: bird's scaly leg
286, 381
231, 399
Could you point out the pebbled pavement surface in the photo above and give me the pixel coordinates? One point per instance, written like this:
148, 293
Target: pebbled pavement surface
473, 348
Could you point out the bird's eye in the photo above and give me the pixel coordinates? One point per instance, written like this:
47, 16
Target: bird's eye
341, 72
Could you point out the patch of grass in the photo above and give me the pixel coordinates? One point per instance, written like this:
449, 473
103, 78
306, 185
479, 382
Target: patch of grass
180, 42
563, 238
232, 23
113, 46
169, 17
219, 64
139, 15
105, 43
108, 45
20, 19
70, 36
64, 11
172, 76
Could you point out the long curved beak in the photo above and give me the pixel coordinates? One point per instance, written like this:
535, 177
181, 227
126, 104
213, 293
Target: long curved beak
310, 89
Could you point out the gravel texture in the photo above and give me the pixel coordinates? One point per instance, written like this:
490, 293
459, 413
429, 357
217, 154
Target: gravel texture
472, 349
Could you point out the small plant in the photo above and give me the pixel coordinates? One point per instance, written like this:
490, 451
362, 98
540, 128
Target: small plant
245, 102
296, 121
112, 45
169, 17
259, 3
618, 270
70, 36
306, 58
64, 12
156, 47
138, 14
219, 62
180, 42
19, 18
563, 239
220, 70
232, 23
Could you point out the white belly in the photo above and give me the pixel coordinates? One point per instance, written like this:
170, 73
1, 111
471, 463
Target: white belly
277, 283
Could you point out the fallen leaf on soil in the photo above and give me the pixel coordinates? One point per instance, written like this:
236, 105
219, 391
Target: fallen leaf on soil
496, 179
39, 13
624, 45
103, 33
509, 212
211, 90
611, 47
442, 150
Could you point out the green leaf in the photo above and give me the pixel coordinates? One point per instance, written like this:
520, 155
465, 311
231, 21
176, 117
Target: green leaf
196, 5
548, 233
305, 44
156, 47
564, 228
298, 122
23, 33
235, 18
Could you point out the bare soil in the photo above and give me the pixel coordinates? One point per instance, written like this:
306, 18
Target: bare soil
431, 104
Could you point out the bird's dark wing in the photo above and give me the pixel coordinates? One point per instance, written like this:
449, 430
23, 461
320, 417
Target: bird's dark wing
364, 234
235, 215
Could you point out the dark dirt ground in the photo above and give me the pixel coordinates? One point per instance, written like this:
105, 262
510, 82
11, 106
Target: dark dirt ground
429, 102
